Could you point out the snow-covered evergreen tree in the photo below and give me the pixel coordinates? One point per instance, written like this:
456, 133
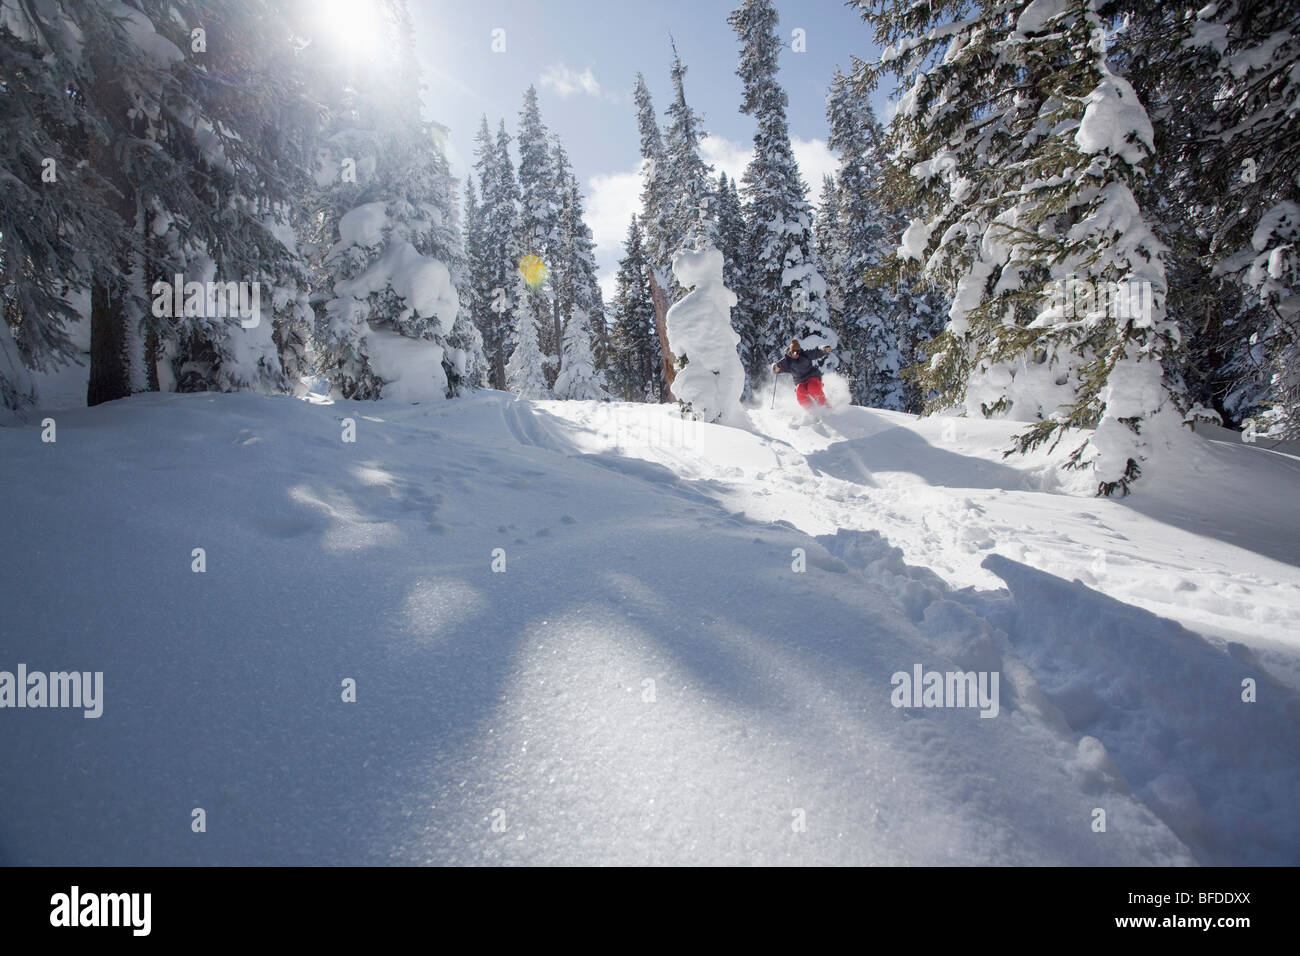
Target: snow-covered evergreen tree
657, 199
539, 222
578, 379
731, 232
656, 189
575, 283
1022, 149
1249, 70
636, 370
476, 298
525, 372
390, 239
495, 256
253, 169
679, 206
788, 291
474, 369
174, 174
1175, 80
690, 218
828, 233
464, 361
886, 318
55, 236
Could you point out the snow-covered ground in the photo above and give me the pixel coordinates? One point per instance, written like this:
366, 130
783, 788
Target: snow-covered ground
649, 680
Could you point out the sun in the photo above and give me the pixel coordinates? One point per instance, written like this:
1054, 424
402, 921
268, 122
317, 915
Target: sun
358, 27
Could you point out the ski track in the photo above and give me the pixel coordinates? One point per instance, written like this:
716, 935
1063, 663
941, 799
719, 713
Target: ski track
649, 682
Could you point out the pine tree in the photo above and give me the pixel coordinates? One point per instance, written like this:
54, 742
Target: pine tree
636, 373
1175, 79
54, 236
394, 232
578, 379
467, 364
828, 233
787, 291
731, 230
1247, 63
174, 174
495, 259
476, 299
678, 203
464, 361
247, 164
525, 373
539, 216
656, 190
690, 219
883, 322
656, 215
574, 280
1023, 149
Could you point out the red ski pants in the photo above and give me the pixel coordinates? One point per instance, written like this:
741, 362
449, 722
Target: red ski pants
812, 387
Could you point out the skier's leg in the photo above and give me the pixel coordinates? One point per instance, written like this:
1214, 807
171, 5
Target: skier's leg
815, 390
801, 394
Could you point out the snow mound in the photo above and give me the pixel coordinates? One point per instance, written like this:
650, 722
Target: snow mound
411, 368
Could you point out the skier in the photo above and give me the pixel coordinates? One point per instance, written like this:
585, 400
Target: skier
802, 367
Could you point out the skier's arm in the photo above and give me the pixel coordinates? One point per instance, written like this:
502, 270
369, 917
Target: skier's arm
782, 366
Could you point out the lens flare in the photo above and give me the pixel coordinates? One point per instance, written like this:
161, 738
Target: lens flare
533, 269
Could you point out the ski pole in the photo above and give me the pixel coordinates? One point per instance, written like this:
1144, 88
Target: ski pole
773, 405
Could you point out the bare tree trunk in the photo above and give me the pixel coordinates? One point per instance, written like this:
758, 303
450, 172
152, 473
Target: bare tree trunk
110, 372
152, 355
559, 337
499, 368
660, 300
110, 367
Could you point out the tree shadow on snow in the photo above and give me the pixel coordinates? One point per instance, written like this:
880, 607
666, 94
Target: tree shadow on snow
896, 449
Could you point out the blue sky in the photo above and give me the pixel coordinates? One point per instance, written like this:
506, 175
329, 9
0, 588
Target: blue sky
584, 56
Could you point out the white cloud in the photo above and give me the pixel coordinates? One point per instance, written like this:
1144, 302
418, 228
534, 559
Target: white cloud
608, 282
566, 82
815, 162
612, 199
725, 156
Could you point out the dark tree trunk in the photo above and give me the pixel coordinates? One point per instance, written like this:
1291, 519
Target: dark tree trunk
559, 336
499, 368
151, 350
660, 301
110, 367
110, 372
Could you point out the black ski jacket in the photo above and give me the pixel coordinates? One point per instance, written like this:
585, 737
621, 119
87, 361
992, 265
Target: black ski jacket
802, 367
